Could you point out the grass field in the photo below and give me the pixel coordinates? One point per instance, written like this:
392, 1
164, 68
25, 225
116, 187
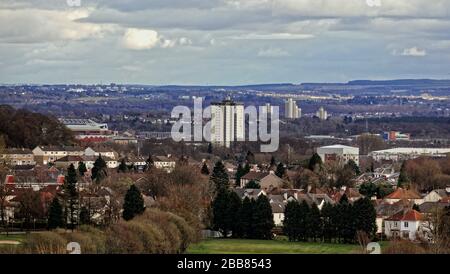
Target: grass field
240, 246
12, 237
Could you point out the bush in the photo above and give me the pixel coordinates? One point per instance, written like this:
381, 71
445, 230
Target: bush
45, 243
91, 240
403, 247
121, 240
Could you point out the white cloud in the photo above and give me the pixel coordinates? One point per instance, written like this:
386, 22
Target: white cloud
414, 51
37, 26
139, 39
273, 36
272, 52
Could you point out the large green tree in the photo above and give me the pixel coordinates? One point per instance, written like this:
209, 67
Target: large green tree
314, 161
290, 222
352, 165
328, 225
133, 203
263, 218
71, 196
219, 177
240, 172
246, 217
403, 178
99, 171
252, 184
82, 168
55, 215
281, 170
314, 223
364, 216
222, 219
122, 166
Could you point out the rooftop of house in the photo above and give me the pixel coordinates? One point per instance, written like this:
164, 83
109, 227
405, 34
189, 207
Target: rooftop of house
408, 215
253, 175
164, 159
401, 193
277, 207
69, 158
22, 151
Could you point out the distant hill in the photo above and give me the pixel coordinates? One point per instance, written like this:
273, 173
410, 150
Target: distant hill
402, 82
25, 129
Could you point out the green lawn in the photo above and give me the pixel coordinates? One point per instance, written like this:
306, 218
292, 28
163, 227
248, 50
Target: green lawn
240, 246
12, 237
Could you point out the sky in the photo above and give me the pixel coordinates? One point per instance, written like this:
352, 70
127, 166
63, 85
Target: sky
222, 42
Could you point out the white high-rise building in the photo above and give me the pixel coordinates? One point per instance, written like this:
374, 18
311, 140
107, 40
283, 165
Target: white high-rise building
292, 111
227, 122
322, 114
267, 108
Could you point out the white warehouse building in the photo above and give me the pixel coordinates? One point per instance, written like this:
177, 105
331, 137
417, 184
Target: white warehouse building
406, 153
338, 153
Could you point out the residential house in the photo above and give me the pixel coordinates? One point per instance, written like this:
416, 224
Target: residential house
278, 212
18, 157
68, 160
125, 140
351, 193
139, 163
45, 155
103, 151
267, 180
385, 210
404, 225
404, 194
249, 192
436, 195
167, 163
35, 179
90, 160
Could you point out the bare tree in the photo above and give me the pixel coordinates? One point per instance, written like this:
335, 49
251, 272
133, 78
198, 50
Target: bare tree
436, 230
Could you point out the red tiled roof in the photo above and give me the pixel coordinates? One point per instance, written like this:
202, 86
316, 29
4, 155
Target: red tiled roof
401, 193
396, 217
412, 215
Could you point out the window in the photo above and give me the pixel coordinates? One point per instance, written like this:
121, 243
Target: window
406, 224
395, 224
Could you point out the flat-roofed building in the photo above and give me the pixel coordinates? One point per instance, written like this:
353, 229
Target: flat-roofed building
87, 129
339, 153
406, 153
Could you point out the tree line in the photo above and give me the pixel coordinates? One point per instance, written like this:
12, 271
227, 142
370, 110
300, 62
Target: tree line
334, 223
232, 216
25, 129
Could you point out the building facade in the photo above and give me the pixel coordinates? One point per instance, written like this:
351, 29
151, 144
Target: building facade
322, 114
292, 111
339, 153
227, 123
18, 157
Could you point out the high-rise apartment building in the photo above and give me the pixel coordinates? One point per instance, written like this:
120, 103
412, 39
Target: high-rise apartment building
227, 122
322, 114
292, 111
